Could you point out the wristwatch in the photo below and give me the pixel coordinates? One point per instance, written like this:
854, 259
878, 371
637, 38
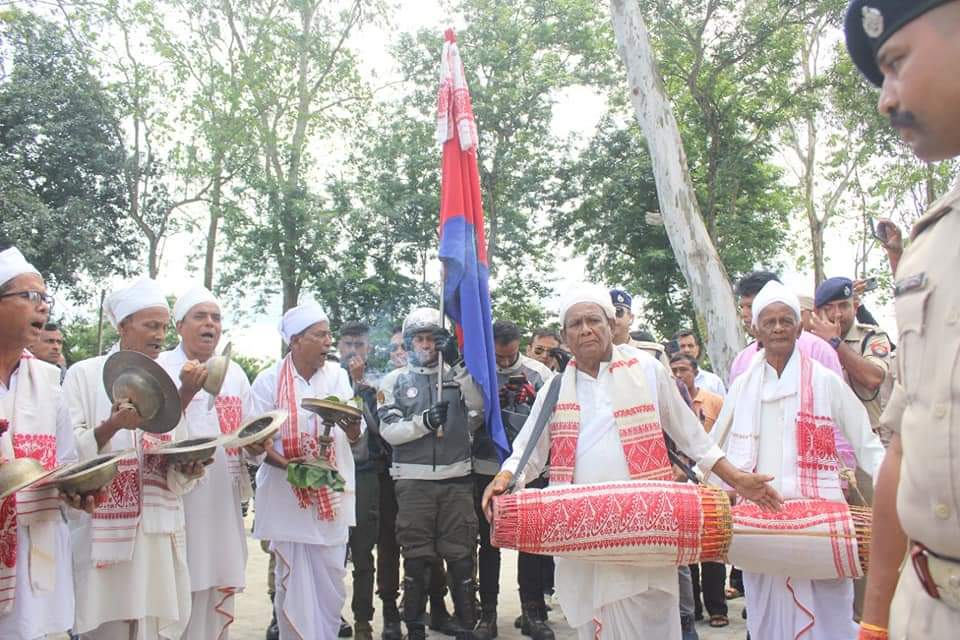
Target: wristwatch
835, 342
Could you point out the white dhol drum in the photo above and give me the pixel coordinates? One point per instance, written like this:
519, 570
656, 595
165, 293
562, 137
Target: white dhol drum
811, 539
640, 523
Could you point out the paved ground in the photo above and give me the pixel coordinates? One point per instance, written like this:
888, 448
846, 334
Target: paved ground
253, 606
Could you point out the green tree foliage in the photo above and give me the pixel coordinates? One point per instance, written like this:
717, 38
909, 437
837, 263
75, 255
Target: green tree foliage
300, 80
729, 102
251, 366
60, 163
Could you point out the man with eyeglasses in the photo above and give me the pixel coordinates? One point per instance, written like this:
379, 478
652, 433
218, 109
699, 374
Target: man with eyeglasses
544, 347
612, 396
130, 558
308, 527
36, 573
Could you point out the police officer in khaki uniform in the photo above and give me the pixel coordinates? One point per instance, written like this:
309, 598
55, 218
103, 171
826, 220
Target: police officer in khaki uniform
911, 49
623, 305
864, 350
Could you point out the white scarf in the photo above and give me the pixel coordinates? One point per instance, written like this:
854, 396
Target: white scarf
137, 495
806, 403
30, 417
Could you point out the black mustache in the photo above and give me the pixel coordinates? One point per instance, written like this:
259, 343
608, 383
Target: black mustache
902, 119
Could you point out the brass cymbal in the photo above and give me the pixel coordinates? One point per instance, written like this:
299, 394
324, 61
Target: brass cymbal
329, 410
132, 375
188, 450
257, 429
217, 368
90, 475
20, 473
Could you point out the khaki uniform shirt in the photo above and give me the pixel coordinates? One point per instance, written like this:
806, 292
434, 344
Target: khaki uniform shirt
925, 410
925, 406
876, 349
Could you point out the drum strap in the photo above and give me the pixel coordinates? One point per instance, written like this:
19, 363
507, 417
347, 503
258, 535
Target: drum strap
546, 410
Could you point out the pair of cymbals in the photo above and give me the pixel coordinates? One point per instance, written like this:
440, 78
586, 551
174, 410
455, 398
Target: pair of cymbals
144, 383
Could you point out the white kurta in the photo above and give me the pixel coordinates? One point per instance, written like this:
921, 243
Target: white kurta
628, 602
155, 582
312, 552
782, 608
216, 537
36, 614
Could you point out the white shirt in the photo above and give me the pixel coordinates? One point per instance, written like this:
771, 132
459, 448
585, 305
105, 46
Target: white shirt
279, 516
710, 381
777, 453
585, 587
36, 614
216, 537
596, 415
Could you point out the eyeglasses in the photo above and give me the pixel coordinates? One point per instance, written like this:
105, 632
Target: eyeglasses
621, 312
36, 297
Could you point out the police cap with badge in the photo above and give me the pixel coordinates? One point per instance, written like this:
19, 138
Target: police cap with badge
870, 23
833, 289
621, 298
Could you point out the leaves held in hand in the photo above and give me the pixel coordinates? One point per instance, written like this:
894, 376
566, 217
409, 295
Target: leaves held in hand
356, 401
311, 476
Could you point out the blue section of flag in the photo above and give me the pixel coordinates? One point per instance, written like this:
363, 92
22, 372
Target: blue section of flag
466, 295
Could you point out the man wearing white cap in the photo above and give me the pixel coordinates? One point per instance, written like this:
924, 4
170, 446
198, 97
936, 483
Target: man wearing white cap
586, 443
773, 431
216, 538
36, 576
130, 557
307, 527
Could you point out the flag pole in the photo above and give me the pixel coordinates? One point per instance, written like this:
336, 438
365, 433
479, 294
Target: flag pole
440, 352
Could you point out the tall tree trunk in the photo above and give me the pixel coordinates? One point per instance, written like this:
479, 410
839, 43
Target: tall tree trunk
153, 257
215, 213
695, 253
816, 250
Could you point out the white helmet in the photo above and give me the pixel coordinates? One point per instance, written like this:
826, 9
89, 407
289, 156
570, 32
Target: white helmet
421, 319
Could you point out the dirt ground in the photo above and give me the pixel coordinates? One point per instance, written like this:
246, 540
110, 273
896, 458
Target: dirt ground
253, 606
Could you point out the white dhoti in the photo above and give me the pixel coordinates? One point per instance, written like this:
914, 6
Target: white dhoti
310, 590
211, 614
650, 614
784, 608
150, 591
146, 629
35, 613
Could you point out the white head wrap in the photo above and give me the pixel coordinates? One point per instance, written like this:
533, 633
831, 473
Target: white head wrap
596, 294
772, 292
299, 318
191, 298
13, 264
141, 294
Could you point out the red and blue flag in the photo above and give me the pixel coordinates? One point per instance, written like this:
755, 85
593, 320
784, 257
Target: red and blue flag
463, 244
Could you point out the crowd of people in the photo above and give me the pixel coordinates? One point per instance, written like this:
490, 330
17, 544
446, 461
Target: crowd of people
822, 405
